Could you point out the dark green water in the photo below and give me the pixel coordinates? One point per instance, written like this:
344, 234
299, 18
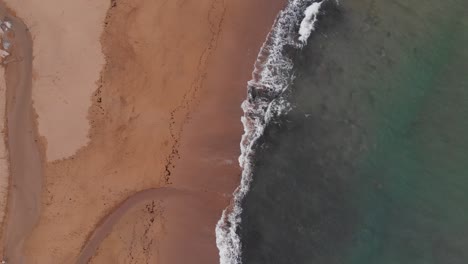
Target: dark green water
371, 166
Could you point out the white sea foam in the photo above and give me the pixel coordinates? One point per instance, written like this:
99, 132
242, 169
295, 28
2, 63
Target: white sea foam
271, 78
308, 23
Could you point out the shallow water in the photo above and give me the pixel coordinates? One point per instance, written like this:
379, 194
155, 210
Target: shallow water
370, 165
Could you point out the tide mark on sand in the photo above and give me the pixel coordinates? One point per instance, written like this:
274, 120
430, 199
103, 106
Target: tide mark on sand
215, 19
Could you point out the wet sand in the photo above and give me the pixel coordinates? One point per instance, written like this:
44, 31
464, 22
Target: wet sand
209, 149
25, 161
4, 170
149, 199
166, 113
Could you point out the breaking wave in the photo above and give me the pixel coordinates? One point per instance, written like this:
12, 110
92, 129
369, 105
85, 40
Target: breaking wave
272, 75
308, 23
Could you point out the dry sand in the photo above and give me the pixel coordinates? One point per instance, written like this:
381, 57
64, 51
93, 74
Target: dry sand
166, 112
67, 64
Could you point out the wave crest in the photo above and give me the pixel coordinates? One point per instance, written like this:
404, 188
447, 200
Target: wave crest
308, 23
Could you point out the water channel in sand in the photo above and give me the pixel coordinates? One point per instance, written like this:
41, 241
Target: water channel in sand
105, 227
25, 162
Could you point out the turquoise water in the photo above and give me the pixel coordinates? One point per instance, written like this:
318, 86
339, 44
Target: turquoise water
371, 166
418, 213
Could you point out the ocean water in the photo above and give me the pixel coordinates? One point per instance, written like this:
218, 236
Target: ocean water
362, 152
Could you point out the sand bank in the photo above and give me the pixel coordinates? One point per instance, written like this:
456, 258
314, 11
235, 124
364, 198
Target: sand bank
67, 63
166, 112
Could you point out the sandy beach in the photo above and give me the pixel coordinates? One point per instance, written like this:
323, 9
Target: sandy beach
135, 97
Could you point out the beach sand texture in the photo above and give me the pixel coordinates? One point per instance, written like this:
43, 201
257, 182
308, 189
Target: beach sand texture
4, 174
25, 163
134, 95
67, 64
4, 166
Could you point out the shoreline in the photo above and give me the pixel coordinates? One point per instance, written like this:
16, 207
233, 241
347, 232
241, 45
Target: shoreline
139, 140
208, 156
266, 98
